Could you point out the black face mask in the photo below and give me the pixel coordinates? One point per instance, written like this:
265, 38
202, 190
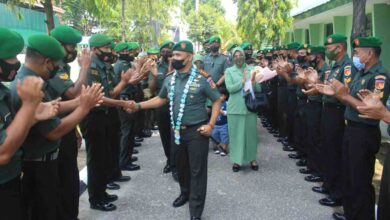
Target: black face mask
274, 56
70, 57
126, 57
269, 58
301, 59
8, 71
313, 63
214, 48
178, 64
105, 56
208, 49
113, 59
53, 72
248, 56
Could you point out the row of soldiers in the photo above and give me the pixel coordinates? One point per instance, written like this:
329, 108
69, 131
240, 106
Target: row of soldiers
313, 111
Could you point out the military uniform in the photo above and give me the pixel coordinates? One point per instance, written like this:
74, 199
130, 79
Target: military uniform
162, 114
69, 180
40, 166
215, 65
362, 140
315, 152
332, 132
127, 120
11, 43
192, 152
95, 128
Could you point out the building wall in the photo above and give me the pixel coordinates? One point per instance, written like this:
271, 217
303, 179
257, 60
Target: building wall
380, 17
380, 24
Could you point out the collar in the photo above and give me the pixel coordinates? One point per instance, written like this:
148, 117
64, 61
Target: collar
25, 71
342, 61
372, 69
3, 91
98, 62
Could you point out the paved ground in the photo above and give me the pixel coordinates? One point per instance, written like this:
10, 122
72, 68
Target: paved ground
276, 191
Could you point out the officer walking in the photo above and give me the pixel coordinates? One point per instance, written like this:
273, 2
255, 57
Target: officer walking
186, 90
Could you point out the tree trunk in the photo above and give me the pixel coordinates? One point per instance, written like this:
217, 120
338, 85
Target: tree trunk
359, 24
123, 22
48, 6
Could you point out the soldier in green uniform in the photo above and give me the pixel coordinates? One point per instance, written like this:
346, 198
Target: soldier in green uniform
332, 121
187, 90
206, 47
64, 87
313, 109
162, 113
15, 125
40, 166
215, 63
247, 47
362, 136
96, 126
127, 120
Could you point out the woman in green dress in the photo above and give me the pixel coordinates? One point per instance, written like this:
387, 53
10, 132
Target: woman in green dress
242, 123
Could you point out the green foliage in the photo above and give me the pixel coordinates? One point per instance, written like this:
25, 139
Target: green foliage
77, 16
189, 5
264, 21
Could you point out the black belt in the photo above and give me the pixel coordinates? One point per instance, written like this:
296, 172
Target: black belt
359, 124
184, 127
47, 157
314, 102
333, 105
11, 183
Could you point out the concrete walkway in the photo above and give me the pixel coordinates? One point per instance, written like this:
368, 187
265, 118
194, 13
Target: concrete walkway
277, 191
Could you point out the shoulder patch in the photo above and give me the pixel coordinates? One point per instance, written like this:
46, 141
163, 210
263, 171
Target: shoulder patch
94, 72
380, 83
347, 70
64, 76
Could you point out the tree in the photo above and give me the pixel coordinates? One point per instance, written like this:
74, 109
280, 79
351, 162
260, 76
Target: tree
359, 24
263, 21
189, 5
77, 16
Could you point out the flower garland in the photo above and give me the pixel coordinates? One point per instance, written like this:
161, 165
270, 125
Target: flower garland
176, 124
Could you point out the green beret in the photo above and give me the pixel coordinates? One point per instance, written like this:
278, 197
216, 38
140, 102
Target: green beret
283, 47
335, 39
11, 43
153, 50
167, 44
246, 46
197, 57
366, 42
268, 50
215, 39
46, 45
132, 46
231, 46
304, 47
316, 49
293, 46
184, 45
66, 34
121, 46
99, 40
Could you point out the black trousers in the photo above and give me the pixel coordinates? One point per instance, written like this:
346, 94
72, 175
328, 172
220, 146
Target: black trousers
164, 128
114, 171
332, 134
127, 137
313, 137
273, 107
69, 180
11, 200
360, 146
291, 106
40, 189
191, 161
300, 127
282, 110
384, 194
95, 128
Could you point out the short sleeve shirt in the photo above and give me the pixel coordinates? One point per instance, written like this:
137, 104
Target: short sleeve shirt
376, 79
343, 71
200, 90
13, 168
119, 66
321, 75
36, 144
61, 81
215, 65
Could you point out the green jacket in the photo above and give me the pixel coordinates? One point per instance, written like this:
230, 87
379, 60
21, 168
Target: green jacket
234, 85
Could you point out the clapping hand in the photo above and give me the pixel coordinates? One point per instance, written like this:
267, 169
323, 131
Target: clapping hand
85, 58
47, 110
91, 96
30, 91
373, 106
